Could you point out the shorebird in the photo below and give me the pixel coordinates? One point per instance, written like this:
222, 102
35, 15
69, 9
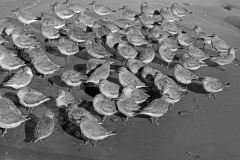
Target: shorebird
148, 74
112, 39
48, 20
101, 9
191, 63
225, 58
93, 63
131, 29
179, 10
77, 23
76, 33
170, 27
104, 106
201, 34
129, 14
99, 30
156, 108
75, 7
126, 51
20, 79
75, 114
148, 54
149, 10
101, 72
95, 49
183, 75
213, 85
197, 53
10, 61
218, 44
146, 20
24, 16
185, 39
23, 41
127, 106
44, 127
109, 23
10, 116
138, 95
30, 98
45, 66
126, 77
94, 131
49, 32
162, 80
166, 54
35, 53
73, 78
134, 65
136, 39
109, 89
67, 47
156, 31
64, 98
61, 11
86, 20
174, 94
167, 14
8, 30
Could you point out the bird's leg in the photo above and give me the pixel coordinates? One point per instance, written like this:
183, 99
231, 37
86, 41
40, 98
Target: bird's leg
152, 120
214, 95
40, 141
223, 68
104, 117
125, 119
66, 59
95, 143
209, 95
203, 46
4, 131
156, 121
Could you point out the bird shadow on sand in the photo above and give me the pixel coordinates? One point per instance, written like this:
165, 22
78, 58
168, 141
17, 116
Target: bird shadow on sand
80, 67
91, 90
53, 51
68, 127
30, 126
12, 96
196, 88
57, 80
83, 54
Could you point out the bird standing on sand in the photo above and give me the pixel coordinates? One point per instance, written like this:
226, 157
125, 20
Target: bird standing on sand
44, 127
101, 9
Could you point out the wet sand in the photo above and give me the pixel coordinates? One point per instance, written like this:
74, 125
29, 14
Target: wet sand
196, 125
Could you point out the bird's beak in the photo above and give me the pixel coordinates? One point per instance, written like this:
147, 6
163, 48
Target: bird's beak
120, 8
87, 9
13, 10
65, 2
91, 3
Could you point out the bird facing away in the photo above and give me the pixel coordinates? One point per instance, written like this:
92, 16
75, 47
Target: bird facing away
128, 13
147, 9
44, 127
179, 10
10, 116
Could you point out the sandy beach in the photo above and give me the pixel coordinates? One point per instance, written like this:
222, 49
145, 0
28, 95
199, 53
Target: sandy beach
196, 125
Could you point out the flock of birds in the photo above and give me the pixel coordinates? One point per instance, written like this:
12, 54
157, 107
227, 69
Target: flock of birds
71, 27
